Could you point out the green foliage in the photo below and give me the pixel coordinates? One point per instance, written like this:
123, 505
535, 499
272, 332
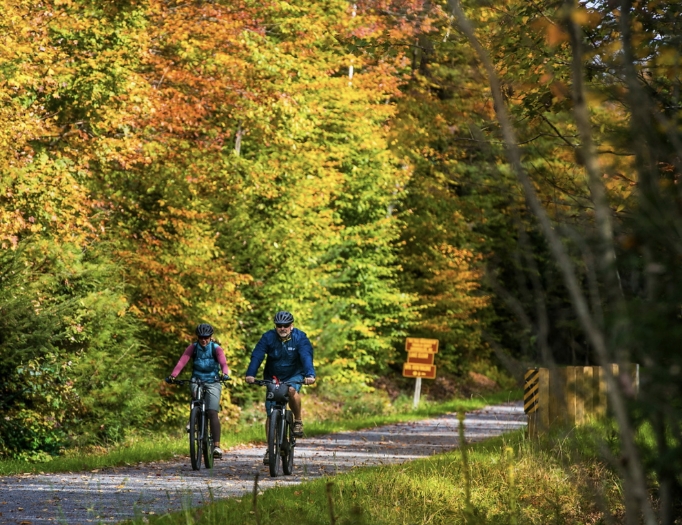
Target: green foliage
226, 175
164, 164
67, 340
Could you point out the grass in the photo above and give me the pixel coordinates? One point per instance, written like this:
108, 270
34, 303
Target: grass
506, 480
165, 447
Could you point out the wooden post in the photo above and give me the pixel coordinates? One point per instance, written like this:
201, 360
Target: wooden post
530, 399
587, 393
569, 396
579, 393
569, 393
599, 392
556, 395
542, 417
533, 429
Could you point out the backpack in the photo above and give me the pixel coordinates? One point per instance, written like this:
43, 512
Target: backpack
213, 350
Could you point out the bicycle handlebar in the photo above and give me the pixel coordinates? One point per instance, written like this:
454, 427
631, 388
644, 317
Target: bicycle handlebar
197, 381
263, 382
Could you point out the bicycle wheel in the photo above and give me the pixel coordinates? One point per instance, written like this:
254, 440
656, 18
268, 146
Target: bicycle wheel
195, 437
288, 446
274, 440
208, 444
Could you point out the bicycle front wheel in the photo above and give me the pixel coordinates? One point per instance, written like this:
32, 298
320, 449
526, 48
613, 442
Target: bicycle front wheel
274, 440
288, 446
208, 444
195, 438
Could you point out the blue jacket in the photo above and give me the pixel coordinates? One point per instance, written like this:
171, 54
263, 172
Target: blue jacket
285, 359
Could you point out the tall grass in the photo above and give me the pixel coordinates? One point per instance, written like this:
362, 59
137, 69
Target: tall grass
509, 480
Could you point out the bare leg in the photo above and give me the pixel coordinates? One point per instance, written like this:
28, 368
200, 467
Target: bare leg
267, 426
295, 403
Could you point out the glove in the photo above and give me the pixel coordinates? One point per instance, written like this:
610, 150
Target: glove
170, 380
309, 380
225, 377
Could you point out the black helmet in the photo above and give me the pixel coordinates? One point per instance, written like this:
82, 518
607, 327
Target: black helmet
283, 318
204, 330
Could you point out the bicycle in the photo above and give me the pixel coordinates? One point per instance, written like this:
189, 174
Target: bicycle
281, 439
200, 438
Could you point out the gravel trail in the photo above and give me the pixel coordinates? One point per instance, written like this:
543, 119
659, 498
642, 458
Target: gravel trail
115, 494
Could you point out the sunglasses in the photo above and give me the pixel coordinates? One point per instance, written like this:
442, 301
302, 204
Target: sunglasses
283, 325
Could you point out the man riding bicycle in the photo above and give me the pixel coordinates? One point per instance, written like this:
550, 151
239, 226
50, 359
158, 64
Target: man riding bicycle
208, 359
289, 359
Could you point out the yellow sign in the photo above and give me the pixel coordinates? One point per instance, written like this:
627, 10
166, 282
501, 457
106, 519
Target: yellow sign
419, 370
531, 390
424, 358
414, 344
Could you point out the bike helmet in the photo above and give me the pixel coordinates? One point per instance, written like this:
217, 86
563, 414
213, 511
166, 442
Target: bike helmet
204, 330
283, 318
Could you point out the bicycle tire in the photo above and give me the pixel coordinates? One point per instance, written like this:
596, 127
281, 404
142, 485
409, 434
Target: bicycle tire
195, 438
208, 444
274, 440
288, 446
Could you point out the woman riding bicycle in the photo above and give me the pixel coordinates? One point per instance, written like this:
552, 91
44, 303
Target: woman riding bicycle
208, 359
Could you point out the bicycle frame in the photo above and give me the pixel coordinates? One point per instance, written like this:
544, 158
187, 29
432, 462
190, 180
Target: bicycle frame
280, 442
199, 437
282, 410
199, 402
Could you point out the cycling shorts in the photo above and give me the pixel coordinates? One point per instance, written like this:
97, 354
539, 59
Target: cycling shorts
298, 378
212, 399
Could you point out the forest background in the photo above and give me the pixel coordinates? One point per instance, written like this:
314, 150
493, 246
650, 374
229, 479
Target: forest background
374, 168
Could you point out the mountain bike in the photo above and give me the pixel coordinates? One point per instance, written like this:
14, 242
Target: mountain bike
200, 438
281, 439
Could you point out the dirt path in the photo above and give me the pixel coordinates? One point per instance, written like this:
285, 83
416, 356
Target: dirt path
115, 494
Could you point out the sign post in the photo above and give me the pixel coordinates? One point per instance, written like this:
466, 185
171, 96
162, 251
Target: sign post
417, 392
420, 354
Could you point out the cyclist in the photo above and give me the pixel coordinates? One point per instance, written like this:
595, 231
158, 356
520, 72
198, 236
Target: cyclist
289, 359
208, 359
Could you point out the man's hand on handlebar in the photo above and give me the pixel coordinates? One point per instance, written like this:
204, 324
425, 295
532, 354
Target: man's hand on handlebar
251, 380
225, 377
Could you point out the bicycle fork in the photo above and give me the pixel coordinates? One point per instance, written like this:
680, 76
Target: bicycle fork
202, 422
286, 419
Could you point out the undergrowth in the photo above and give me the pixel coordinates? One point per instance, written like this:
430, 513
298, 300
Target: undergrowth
505, 480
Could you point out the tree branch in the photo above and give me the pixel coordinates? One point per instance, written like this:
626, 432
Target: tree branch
594, 335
